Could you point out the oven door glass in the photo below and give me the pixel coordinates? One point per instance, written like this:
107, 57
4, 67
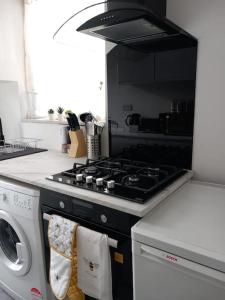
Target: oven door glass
8, 242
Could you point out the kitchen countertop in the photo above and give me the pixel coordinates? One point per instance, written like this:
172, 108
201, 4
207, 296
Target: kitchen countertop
34, 169
189, 224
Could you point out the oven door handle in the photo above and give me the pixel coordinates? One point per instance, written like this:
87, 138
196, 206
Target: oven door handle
112, 243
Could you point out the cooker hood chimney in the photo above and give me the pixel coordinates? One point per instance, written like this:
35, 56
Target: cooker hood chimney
137, 23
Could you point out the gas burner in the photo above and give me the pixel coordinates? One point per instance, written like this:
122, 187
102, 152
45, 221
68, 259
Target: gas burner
110, 165
133, 179
92, 170
137, 182
152, 172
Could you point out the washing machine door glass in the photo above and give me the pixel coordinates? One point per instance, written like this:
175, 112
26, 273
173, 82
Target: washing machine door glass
9, 240
14, 246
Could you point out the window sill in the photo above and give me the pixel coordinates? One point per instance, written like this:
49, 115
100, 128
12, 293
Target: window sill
45, 121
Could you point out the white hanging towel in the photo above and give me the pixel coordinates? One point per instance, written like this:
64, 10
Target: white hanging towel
94, 264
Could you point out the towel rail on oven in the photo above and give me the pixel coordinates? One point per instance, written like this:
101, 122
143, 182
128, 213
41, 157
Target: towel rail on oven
112, 243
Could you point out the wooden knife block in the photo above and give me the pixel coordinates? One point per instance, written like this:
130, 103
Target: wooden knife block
78, 146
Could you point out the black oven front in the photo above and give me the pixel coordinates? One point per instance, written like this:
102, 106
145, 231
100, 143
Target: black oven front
114, 223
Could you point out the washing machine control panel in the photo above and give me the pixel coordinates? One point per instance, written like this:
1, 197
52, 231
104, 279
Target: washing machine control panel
22, 202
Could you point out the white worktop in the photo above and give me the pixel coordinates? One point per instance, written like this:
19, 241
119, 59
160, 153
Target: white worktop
189, 224
34, 169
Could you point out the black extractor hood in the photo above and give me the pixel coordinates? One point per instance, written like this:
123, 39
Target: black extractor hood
138, 23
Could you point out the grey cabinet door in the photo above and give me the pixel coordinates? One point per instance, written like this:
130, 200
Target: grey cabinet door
139, 71
175, 65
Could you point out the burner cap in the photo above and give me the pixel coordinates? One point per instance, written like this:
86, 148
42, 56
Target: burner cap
91, 170
133, 179
153, 172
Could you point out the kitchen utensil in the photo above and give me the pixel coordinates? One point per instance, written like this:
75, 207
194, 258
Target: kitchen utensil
86, 117
74, 121
90, 128
94, 146
69, 123
99, 127
94, 130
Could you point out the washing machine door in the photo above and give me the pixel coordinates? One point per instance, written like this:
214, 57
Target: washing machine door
15, 250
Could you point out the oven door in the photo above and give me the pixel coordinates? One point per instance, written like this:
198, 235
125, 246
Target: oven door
121, 258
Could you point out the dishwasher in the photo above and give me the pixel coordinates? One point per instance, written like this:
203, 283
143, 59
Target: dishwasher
178, 249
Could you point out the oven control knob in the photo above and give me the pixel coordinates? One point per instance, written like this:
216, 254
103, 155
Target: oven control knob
79, 177
111, 184
62, 204
104, 219
99, 181
89, 179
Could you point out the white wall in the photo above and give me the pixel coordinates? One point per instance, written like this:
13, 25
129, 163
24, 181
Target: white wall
12, 44
11, 41
10, 112
205, 19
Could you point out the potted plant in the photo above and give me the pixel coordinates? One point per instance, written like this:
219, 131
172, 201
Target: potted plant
51, 114
60, 111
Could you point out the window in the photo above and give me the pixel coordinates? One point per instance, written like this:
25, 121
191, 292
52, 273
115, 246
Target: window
71, 75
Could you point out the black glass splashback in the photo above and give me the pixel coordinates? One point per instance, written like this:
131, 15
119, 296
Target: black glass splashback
151, 100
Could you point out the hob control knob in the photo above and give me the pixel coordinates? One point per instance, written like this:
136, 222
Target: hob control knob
99, 181
111, 184
89, 179
79, 177
62, 204
104, 218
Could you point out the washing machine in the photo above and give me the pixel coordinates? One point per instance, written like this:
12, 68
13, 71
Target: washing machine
22, 263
